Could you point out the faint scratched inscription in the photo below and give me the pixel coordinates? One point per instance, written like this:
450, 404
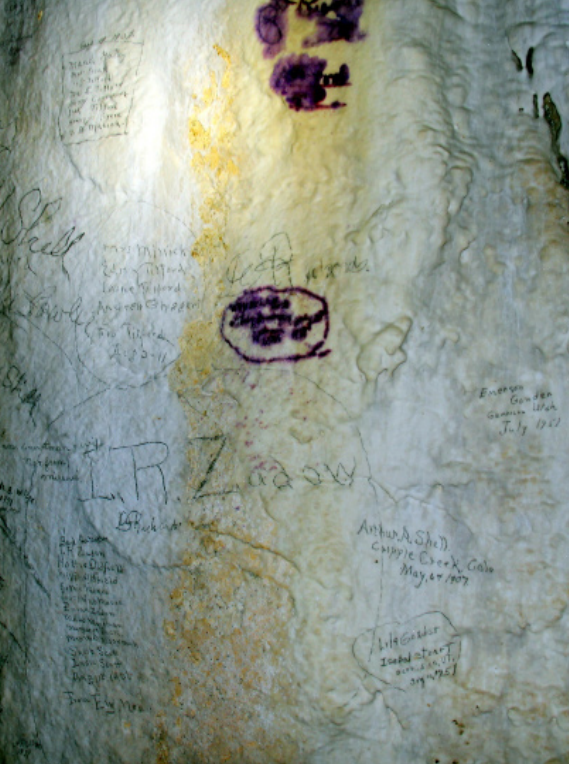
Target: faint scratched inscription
273, 266
423, 557
516, 410
213, 458
98, 89
334, 269
24, 392
266, 324
13, 500
98, 647
409, 655
125, 326
299, 78
133, 475
30, 227
19, 21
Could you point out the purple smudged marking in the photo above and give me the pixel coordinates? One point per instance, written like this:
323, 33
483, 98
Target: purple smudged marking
335, 21
343, 24
338, 80
267, 324
271, 25
301, 81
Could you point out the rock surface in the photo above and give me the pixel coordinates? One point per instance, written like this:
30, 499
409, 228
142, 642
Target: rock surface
284, 338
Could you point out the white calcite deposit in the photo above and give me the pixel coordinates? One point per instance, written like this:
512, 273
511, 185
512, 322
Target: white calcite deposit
284, 362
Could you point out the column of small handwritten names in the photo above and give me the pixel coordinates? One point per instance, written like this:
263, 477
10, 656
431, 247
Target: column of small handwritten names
98, 86
96, 645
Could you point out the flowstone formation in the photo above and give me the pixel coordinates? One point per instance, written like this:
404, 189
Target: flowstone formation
284, 347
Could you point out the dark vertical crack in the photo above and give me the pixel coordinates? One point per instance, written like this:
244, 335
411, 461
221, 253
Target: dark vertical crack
553, 119
529, 62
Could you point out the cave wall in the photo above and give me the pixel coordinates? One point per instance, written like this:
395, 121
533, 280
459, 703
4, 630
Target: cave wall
283, 359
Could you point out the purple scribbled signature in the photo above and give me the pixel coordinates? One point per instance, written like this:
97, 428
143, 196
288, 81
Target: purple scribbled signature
343, 24
302, 82
271, 25
335, 21
267, 324
300, 79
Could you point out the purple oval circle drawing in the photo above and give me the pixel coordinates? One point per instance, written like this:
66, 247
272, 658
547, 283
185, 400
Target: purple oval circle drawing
266, 324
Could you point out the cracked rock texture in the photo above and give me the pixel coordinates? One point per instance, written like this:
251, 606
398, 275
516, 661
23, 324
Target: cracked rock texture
284, 342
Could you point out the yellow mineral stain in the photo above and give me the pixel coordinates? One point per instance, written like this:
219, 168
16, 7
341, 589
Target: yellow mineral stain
212, 543
200, 138
210, 93
198, 344
225, 80
237, 656
545, 202
162, 747
233, 615
170, 629
177, 596
214, 165
177, 693
223, 53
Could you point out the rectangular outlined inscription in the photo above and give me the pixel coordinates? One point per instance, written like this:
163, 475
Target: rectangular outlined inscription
410, 655
98, 90
517, 410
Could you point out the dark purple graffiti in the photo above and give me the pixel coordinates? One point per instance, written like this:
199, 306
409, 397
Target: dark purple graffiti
302, 82
271, 25
267, 324
336, 20
339, 79
300, 79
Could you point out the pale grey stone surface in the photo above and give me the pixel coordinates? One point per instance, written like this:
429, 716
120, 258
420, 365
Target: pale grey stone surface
216, 550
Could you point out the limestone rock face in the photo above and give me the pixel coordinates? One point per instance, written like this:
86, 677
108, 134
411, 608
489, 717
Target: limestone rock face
284, 350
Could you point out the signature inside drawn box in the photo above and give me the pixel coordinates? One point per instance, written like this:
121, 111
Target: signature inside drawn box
98, 90
266, 324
